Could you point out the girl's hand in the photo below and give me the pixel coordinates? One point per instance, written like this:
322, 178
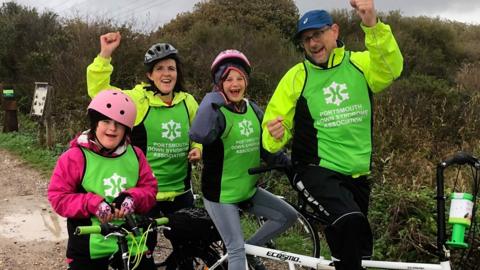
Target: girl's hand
128, 206
194, 155
104, 212
123, 205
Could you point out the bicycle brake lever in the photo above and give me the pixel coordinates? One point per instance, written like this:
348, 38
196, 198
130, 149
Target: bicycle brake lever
130, 220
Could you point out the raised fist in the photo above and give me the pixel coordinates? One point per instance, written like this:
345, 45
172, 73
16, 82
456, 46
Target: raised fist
366, 10
108, 43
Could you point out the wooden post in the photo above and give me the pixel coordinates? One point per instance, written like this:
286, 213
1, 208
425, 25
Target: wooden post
40, 132
9, 104
47, 116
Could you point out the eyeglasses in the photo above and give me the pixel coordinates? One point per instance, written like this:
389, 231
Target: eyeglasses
315, 36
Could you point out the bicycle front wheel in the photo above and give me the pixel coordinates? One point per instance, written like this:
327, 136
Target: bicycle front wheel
301, 238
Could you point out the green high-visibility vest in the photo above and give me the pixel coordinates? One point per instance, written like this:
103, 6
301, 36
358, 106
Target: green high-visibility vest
338, 100
108, 177
241, 143
168, 145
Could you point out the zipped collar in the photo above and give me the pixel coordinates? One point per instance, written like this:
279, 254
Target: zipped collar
156, 101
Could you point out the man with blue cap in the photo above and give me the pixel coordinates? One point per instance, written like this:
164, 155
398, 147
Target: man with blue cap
324, 104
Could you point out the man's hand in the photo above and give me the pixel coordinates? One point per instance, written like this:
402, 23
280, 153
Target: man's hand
108, 43
276, 128
366, 10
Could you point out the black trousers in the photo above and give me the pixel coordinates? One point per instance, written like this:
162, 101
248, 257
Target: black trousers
342, 201
146, 263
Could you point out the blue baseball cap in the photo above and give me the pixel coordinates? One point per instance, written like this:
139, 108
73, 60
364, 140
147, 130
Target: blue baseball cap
314, 19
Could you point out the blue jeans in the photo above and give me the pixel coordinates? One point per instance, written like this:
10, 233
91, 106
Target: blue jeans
279, 214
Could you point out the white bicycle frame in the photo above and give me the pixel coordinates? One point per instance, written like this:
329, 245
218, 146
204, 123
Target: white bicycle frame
321, 264
293, 259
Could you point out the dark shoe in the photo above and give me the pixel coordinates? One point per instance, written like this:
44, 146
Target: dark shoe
255, 262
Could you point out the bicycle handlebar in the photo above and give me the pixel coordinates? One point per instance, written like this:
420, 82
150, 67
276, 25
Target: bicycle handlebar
107, 228
460, 158
93, 229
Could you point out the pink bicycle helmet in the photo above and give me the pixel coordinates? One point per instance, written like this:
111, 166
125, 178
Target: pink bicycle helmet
115, 105
233, 56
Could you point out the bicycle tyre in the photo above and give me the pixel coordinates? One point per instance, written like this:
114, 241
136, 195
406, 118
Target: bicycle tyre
202, 258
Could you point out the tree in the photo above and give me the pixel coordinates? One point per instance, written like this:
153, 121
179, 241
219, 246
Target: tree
257, 15
29, 43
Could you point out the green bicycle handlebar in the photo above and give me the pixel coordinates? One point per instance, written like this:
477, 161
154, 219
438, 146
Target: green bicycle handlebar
94, 229
97, 229
161, 221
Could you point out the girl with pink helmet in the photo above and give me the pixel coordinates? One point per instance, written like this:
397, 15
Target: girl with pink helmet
101, 178
228, 126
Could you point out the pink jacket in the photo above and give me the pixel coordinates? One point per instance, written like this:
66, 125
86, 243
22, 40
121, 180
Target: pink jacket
63, 192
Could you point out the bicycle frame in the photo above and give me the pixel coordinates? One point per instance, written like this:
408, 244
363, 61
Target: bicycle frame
443, 252
293, 259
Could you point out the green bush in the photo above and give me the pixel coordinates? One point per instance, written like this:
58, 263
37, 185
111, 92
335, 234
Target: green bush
403, 223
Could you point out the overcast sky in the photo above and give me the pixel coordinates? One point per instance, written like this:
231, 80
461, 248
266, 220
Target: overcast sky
149, 14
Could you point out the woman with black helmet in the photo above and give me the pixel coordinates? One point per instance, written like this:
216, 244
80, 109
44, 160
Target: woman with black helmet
164, 115
228, 126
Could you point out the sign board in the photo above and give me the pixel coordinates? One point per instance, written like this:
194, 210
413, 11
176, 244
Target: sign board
39, 99
8, 93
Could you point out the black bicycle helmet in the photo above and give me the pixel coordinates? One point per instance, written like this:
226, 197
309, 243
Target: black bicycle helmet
157, 52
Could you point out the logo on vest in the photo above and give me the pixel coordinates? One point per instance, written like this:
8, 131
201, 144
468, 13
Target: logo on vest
114, 185
246, 127
335, 93
171, 130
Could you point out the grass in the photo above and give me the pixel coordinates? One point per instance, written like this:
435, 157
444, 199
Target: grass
25, 145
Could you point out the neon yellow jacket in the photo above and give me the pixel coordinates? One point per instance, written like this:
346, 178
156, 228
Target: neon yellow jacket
98, 79
381, 64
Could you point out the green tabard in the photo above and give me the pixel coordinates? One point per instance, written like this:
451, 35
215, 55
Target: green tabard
339, 102
108, 177
168, 145
241, 140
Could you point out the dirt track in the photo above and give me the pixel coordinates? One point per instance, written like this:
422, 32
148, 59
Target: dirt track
31, 235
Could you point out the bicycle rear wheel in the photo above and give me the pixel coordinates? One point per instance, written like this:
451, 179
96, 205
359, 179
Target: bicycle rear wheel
193, 252
301, 238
